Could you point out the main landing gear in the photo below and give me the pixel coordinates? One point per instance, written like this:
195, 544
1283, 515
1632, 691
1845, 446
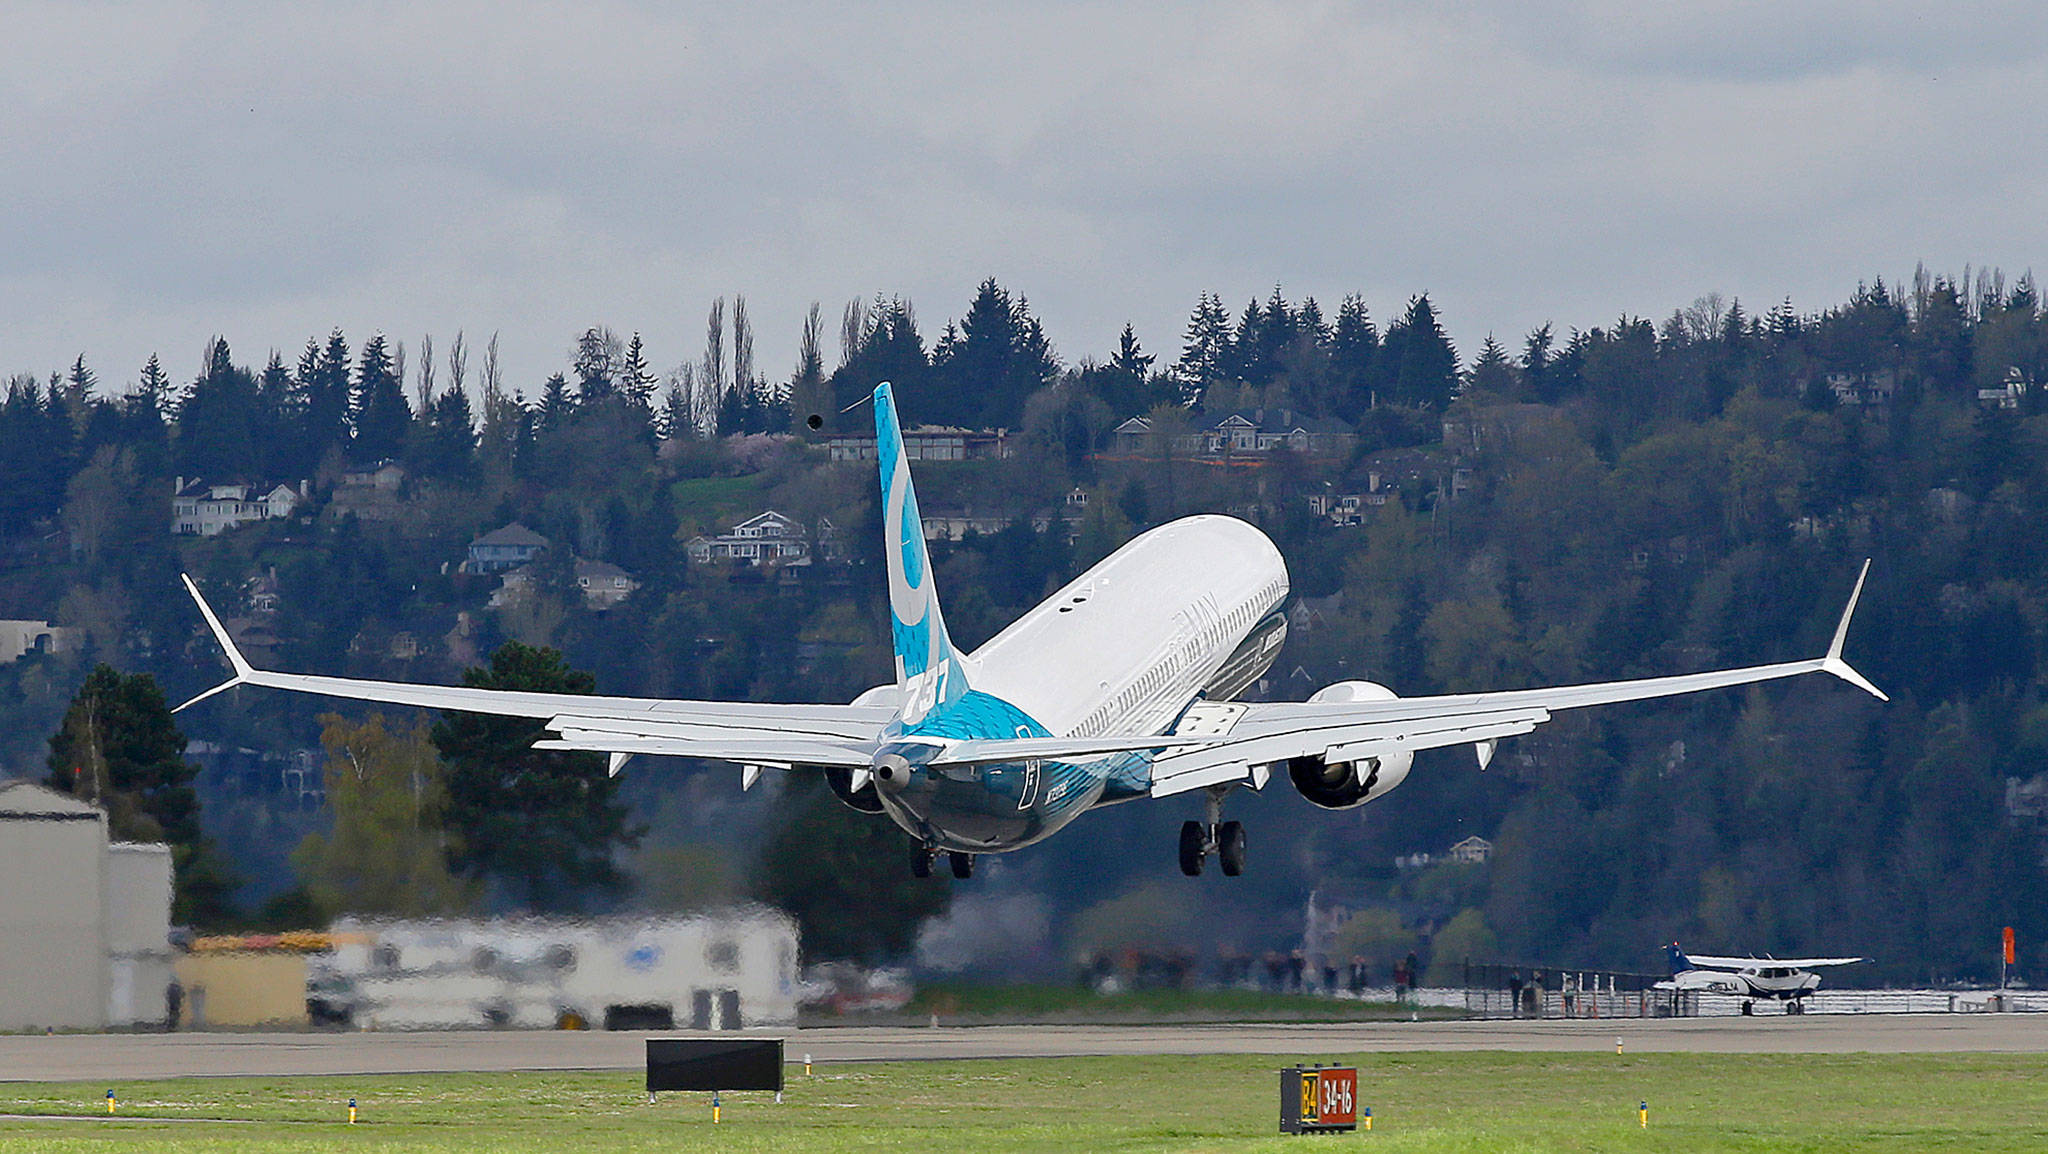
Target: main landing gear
922, 857
1224, 838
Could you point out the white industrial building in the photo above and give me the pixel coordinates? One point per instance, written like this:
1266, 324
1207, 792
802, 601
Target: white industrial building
715, 971
84, 922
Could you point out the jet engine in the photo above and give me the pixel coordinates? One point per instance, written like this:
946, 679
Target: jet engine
840, 778
1344, 784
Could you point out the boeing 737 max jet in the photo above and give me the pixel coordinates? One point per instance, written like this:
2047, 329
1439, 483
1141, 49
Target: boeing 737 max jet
1115, 688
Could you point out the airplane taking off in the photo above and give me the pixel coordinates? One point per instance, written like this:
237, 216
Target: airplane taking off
1788, 979
1117, 687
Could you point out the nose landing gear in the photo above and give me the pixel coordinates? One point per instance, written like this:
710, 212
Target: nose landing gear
1225, 838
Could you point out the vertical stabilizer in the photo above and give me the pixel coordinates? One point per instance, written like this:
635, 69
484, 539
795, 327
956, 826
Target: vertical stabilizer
929, 671
1679, 962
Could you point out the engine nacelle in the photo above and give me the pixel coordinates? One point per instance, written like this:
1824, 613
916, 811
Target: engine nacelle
1344, 784
840, 779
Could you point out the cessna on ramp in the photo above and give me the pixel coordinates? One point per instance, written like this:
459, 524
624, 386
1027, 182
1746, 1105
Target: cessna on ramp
1786, 979
1117, 687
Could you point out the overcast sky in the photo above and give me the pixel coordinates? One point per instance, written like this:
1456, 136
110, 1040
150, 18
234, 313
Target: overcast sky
173, 170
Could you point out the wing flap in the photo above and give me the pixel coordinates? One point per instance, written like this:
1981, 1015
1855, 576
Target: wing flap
1266, 734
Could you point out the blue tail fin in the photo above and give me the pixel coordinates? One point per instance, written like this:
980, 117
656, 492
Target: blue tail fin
927, 667
1679, 962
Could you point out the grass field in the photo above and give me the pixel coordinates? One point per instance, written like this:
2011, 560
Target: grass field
1455, 1102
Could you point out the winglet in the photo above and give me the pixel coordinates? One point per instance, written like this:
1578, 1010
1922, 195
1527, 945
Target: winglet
241, 664
1833, 662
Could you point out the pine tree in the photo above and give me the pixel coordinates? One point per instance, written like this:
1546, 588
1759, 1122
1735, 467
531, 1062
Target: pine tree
220, 428
153, 387
382, 416
1423, 363
119, 749
1354, 358
555, 404
324, 379
636, 380
596, 365
1205, 350
545, 823
1492, 375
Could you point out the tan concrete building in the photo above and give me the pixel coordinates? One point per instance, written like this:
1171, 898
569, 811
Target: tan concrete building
84, 924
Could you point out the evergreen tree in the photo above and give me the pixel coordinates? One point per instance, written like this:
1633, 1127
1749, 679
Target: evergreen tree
891, 349
324, 379
119, 749
596, 365
1419, 364
555, 404
1206, 349
382, 415
1492, 374
636, 380
544, 823
220, 424
35, 456
1354, 358
153, 387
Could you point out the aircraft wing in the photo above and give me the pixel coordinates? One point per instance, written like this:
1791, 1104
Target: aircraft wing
1706, 962
740, 731
1248, 735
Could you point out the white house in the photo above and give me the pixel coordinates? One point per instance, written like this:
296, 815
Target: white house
20, 638
209, 510
768, 538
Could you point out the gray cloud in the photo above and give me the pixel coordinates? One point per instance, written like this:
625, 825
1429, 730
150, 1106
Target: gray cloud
173, 170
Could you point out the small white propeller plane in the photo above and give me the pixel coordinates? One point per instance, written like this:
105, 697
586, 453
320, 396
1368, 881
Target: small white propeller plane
1117, 687
1784, 979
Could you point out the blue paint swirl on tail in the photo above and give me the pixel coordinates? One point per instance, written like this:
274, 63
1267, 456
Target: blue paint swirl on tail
927, 667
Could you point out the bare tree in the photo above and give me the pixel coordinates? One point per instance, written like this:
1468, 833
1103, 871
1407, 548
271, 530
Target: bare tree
742, 348
678, 416
426, 372
458, 364
853, 328
398, 365
807, 392
711, 377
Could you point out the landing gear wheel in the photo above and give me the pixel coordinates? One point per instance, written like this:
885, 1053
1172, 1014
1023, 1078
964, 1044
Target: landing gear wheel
1796, 1007
1194, 846
921, 863
962, 863
1230, 848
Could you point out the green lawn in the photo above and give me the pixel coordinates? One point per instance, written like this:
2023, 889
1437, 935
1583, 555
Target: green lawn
1457, 1102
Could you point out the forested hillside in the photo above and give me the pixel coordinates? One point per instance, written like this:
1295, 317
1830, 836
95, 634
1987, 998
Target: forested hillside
1630, 499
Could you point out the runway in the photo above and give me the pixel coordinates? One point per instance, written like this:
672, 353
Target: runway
104, 1057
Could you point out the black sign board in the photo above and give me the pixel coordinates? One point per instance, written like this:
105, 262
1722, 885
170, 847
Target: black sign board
714, 1064
1318, 1099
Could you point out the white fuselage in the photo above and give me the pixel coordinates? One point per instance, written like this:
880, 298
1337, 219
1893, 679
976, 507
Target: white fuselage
1123, 649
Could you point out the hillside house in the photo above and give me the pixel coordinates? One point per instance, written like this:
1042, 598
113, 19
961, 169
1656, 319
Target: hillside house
927, 443
603, 583
208, 510
502, 550
767, 538
20, 638
1240, 433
